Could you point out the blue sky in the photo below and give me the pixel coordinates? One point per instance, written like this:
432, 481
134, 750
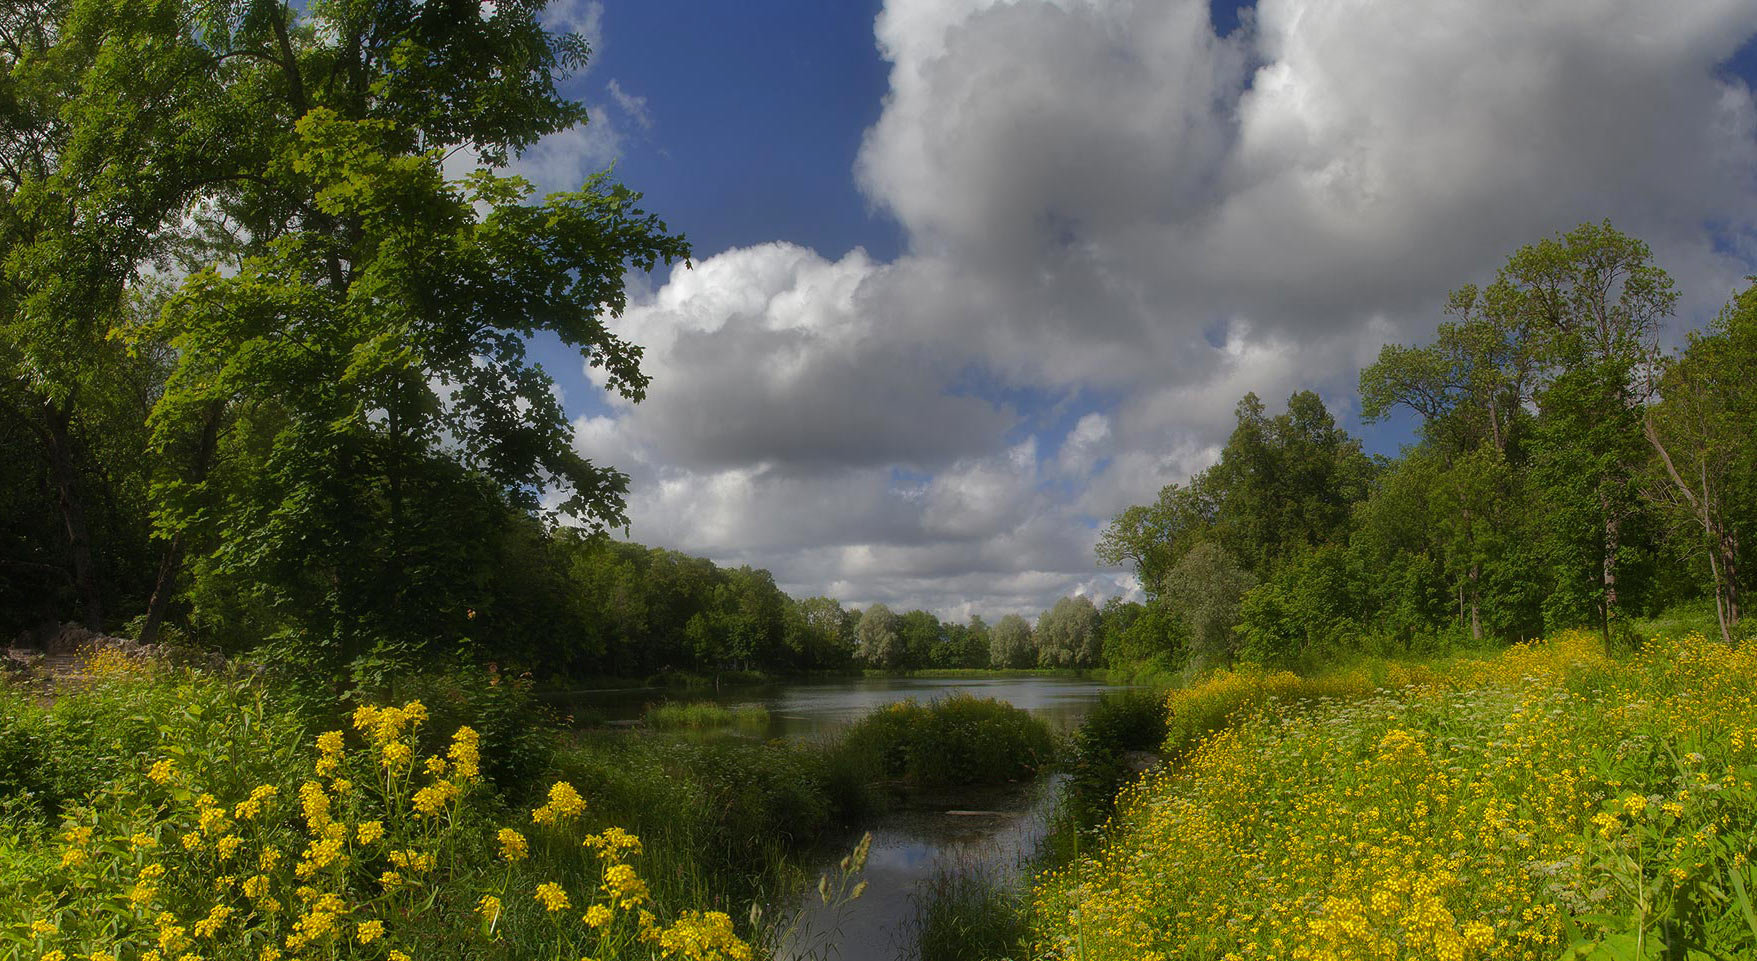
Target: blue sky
971, 275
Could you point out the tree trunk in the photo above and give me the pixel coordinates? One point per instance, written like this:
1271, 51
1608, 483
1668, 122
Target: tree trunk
170, 562
56, 440
1723, 546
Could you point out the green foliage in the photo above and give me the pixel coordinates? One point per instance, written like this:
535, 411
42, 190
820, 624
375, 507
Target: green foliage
1068, 634
701, 715
1098, 763
1011, 644
1205, 588
958, 740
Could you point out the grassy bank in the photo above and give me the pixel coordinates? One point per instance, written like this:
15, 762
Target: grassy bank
1518, 807
154, 813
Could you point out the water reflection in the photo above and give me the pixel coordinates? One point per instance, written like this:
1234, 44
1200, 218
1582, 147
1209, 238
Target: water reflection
821, 707
908, 846
908, 849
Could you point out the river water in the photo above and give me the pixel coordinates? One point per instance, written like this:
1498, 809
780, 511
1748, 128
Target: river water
992, 830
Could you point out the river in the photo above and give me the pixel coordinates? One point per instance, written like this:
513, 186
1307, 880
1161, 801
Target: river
993, 830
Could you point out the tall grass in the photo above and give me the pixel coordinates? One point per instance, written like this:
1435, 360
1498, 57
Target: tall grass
969, 912
704, 715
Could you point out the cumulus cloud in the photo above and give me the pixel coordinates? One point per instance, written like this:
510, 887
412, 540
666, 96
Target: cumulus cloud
1111, 206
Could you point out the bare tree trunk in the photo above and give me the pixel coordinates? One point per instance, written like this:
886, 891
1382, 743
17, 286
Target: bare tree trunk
1723, 547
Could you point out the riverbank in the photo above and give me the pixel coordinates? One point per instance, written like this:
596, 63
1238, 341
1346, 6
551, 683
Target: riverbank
1545, 800
724, 825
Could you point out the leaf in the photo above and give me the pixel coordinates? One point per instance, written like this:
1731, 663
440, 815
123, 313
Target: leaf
1743, 899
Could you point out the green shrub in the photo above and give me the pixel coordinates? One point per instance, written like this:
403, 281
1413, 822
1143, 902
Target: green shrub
1119, 723
958, 740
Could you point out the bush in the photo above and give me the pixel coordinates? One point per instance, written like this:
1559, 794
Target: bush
718, 816
958, 740
1121, 722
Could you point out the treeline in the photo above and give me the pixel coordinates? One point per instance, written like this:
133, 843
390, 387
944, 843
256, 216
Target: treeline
1569, 471
634, 611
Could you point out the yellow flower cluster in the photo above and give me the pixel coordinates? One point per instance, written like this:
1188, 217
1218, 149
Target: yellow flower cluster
552, 897
1459, 811
564, 803
703, 937
513, 846
341, 859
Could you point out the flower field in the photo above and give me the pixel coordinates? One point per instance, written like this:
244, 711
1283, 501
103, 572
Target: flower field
1545, 803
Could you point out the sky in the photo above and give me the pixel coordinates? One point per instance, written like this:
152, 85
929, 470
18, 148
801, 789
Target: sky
970, 276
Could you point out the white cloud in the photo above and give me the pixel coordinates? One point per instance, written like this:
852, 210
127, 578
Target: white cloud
635, 107
1103, 198
563, 160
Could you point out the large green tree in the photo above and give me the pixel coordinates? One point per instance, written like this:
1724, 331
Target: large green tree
1596, 300
111, 128
368, 345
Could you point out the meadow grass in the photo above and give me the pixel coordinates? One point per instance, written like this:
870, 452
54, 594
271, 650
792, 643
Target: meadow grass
1541, 801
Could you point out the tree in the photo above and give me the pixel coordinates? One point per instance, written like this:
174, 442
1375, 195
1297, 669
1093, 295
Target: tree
879, 643
1595, 300
924, 640
369, 345
1067, 634
1204, 589
1470, 386
1010, 643
1701, 429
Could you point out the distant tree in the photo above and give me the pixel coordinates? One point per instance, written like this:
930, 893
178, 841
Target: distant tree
1205, 589
879, 643
823, 637
975, 639
1067, 634
923, 640
1283, 485
1010, 643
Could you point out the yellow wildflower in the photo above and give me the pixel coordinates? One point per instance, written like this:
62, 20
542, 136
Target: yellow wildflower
512, 844
489, 907
552, 896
